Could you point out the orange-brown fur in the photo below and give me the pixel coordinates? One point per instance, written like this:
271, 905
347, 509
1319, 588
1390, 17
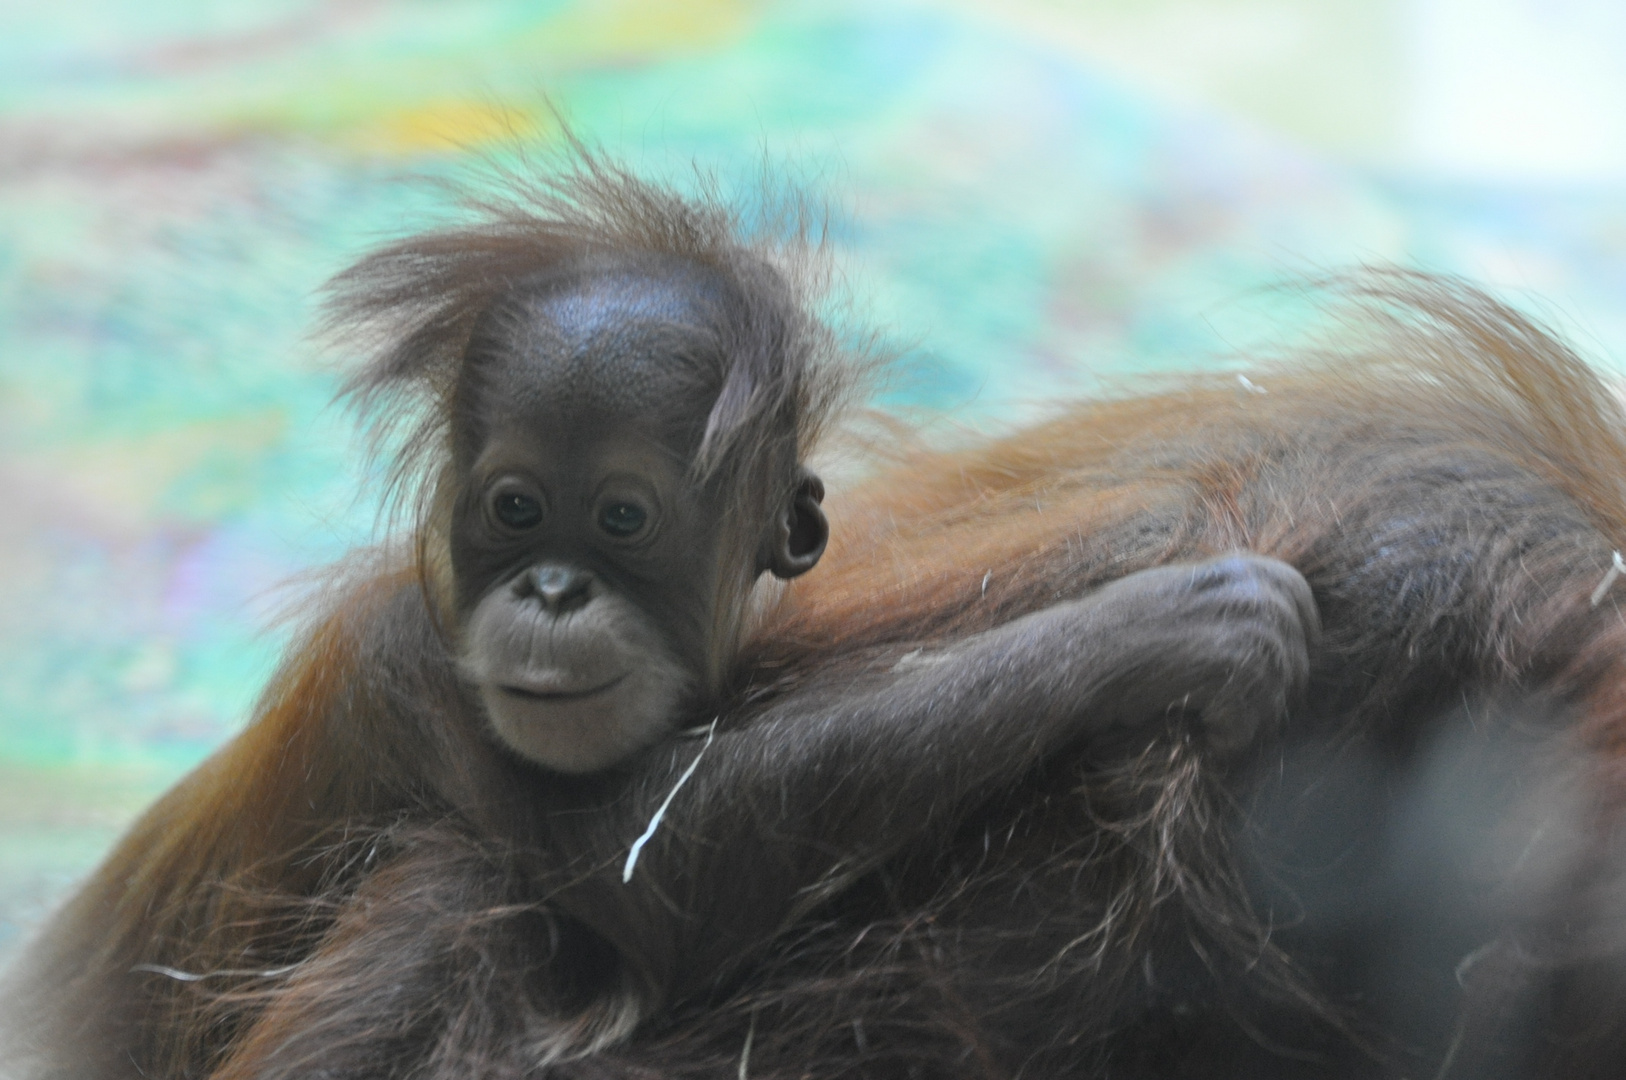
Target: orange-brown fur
1095, 867
947, 543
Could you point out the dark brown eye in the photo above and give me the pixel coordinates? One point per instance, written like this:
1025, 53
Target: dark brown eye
622, 519
517, 510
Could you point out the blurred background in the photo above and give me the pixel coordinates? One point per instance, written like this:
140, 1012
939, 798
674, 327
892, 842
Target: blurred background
1035, 197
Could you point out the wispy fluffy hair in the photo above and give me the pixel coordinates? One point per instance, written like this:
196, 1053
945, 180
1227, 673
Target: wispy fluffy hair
411, 309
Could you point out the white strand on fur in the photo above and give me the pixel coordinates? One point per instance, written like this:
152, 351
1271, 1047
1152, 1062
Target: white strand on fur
1250, 386
1617, 568
655, 822
194, 976
745, 1052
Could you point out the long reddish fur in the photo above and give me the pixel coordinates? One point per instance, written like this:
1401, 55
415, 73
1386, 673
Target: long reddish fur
937, 545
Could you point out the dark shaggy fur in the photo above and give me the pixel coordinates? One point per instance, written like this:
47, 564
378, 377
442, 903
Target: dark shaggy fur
1415, 875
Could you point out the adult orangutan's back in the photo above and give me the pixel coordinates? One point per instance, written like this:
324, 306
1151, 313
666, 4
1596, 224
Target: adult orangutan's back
1409, 873
1416, 875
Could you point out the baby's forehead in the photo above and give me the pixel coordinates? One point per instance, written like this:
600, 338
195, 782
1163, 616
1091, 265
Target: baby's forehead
592, 294
593, 305
624, 338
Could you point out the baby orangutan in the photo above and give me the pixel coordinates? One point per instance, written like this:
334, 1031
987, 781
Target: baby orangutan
434, 852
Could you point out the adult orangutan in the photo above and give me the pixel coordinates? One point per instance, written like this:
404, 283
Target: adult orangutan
1015, 784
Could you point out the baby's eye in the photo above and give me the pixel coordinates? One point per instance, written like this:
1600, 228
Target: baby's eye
622, 520
517, 510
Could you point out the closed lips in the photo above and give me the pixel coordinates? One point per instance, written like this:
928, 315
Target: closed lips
547, 692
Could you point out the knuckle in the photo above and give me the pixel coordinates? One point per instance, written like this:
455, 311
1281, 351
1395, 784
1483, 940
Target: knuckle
1228, 571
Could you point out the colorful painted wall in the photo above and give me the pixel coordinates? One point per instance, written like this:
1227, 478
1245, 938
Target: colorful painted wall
1034, 197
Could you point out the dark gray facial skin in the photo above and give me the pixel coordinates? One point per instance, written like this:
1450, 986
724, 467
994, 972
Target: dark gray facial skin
585, 561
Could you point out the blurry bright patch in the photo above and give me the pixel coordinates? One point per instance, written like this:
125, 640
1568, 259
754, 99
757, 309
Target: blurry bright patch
635, 28
458, 125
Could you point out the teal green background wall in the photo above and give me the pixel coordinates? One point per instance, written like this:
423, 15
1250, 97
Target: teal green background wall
1035, 198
